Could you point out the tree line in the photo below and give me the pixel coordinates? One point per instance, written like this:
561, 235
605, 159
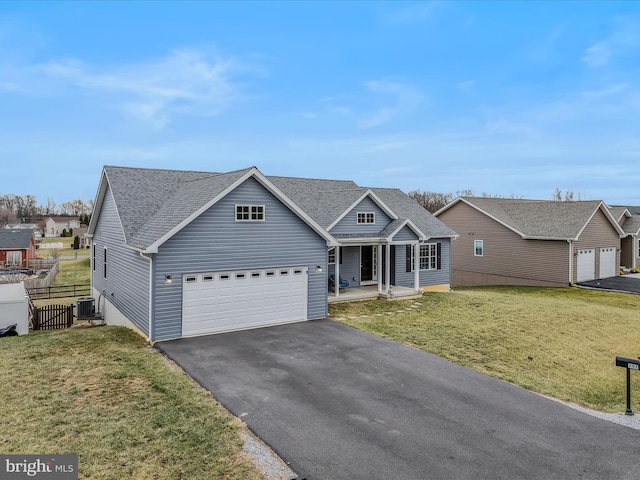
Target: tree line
25, 209
434, 201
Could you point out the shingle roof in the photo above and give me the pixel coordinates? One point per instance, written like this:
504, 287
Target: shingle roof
152, 202
406, 207
326, 200
19, 238
539, 218
617, 213
631, 225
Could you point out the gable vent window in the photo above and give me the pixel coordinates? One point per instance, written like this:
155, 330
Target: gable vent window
249, 213
365, 218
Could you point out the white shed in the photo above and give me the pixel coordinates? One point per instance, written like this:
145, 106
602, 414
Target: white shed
14, 307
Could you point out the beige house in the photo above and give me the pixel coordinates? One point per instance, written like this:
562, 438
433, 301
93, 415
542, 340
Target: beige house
56, 224
531, 242
629, 219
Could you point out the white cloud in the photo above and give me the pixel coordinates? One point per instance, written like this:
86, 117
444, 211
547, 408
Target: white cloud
404, 99
467, 87
186, 81
625, 37
597, 55
413, 13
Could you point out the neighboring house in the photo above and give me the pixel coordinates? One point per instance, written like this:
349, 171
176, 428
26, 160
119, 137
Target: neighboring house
26, 226
531, 242
629, 219
81, 232
179, 253
56, 224
16, 247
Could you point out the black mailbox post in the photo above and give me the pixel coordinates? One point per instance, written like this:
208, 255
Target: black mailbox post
629, 364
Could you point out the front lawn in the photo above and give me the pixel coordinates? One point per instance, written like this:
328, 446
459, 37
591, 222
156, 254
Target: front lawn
103, 394
560, 342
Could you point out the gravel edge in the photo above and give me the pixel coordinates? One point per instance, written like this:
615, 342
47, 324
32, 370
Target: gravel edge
270, 464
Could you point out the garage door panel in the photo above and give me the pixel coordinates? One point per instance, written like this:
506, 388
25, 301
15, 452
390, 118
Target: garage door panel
608, 262
586, 265
234, 300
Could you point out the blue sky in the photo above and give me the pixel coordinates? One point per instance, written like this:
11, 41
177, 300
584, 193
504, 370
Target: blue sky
497, 97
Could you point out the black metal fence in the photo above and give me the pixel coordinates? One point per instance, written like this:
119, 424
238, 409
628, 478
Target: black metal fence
60, 291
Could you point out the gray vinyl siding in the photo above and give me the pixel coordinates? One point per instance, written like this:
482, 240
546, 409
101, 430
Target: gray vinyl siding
349, 266
508, 258
405, 235
427, 277
349, 223
215, 241
127, 282
599, 233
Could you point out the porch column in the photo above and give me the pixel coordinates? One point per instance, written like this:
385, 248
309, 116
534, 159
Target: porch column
336, 280
416, 267
387, 269
379, 267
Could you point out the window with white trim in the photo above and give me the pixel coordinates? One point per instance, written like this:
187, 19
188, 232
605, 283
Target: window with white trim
478, 248
638, 247
332, 256
366, 218
249, 213
105, 263
430, 257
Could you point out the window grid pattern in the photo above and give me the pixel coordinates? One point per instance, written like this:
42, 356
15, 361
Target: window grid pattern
249, 213
366, 218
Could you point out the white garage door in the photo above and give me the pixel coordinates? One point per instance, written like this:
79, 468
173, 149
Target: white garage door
235, 300
586, 265
607, 262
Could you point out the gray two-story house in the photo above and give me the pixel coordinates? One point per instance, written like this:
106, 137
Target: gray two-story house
179, 253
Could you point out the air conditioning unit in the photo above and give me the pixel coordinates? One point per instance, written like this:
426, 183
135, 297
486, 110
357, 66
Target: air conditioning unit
85, 307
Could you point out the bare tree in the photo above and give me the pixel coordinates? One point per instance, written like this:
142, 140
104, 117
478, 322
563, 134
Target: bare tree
431, 201
568, 196
6, 217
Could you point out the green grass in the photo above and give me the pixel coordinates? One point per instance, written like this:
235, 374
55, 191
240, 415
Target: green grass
73, 272
66, 250
560, 342
102, 394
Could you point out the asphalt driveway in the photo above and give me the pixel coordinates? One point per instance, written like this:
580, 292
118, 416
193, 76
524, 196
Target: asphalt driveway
337, 403
620, 283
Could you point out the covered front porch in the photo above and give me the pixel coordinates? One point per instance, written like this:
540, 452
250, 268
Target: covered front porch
371, 292
377, 268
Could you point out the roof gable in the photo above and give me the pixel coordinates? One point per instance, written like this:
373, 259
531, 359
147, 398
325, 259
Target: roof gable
153, 205
539, 219
366, 194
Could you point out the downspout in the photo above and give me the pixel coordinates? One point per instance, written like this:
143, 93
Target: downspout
149, 338
570, 261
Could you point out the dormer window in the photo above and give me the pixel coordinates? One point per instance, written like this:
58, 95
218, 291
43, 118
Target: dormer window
366, 218
249, 213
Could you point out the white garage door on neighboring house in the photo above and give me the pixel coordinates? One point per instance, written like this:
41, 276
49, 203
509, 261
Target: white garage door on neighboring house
608, 262
234, 300
586, 265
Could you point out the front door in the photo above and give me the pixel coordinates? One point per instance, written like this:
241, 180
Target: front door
366, 263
